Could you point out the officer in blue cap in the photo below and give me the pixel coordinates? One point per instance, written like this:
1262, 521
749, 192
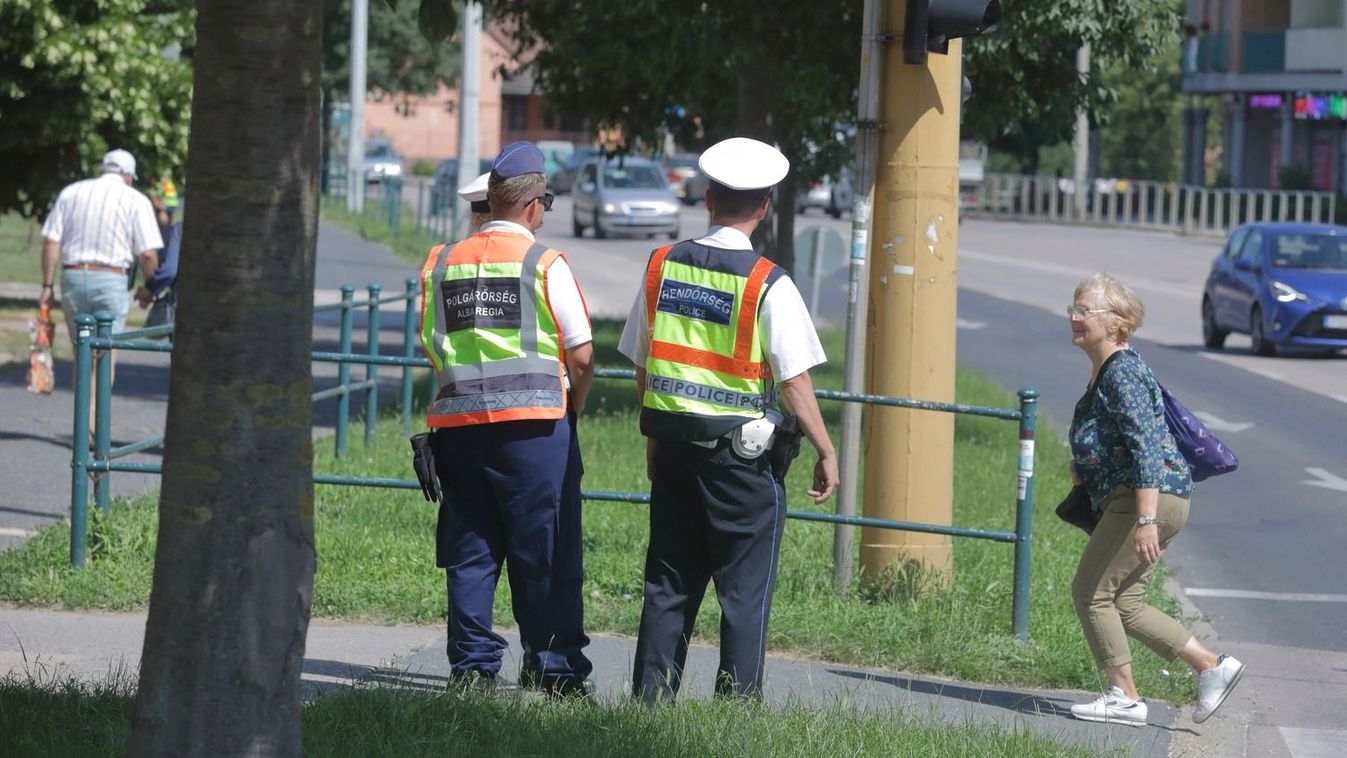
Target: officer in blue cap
715, 332
507, 331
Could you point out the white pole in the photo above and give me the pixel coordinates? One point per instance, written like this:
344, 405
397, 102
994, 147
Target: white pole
1082, 142
469, 101
858, 294
355, 145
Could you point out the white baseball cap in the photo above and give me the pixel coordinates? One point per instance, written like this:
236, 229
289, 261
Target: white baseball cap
475, 190
121, 162
741, 163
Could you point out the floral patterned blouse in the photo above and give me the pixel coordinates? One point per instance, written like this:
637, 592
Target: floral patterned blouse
1119, 435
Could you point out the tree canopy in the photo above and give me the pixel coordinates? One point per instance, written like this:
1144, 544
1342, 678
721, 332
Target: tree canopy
81, 77
1025, 87
400, 58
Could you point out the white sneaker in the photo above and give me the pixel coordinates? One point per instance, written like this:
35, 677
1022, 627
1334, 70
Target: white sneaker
1112, 707
1214, 685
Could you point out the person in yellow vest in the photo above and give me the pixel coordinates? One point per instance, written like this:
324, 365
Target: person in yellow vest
715, 332
169, 193
506, 328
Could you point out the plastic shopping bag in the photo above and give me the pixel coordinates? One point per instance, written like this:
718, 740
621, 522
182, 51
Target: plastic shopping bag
41, 378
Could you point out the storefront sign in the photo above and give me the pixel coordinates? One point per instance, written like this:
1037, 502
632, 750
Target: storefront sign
1265, 101
1315, 106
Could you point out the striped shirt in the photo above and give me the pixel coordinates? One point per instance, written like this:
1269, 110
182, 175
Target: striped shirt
102, 221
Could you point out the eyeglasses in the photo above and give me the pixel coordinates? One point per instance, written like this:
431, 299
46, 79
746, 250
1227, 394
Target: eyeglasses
1080, 312
546, 199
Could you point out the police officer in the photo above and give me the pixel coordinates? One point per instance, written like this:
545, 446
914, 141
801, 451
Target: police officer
474, 193
507, 331
715, 331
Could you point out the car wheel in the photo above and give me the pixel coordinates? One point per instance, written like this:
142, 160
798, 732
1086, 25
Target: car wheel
834, 211
675, 234
576, 227
1212, 336
689, 199
599, 233
1261, 345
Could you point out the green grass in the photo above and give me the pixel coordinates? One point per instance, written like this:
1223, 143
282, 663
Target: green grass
66, 718
20, 250
376, 557
408, 244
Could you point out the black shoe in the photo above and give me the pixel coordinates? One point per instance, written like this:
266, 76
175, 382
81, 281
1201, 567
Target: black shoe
569, 687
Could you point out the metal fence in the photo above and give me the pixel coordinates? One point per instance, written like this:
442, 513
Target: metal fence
1164, 206
94, 341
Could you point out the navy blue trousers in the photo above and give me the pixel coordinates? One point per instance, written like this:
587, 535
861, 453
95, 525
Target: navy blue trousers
713, 516
512, 497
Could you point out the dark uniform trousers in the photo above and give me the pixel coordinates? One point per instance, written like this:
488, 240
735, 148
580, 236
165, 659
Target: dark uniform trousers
714, 516
512, 496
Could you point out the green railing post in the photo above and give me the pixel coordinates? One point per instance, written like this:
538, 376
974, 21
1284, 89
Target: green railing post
1024, 511
344, 369
79, 458
103, 409
371, 370
408, 351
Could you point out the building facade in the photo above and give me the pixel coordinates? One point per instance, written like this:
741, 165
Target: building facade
1279, 69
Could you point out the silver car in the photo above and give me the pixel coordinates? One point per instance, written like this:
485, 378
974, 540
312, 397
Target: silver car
624, 196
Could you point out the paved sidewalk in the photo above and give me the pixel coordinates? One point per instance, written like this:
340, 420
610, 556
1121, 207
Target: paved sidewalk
91, 645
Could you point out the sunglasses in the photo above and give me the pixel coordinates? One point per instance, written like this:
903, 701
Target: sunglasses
546, 198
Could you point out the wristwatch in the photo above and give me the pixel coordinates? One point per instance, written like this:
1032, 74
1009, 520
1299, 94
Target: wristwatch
1144, 520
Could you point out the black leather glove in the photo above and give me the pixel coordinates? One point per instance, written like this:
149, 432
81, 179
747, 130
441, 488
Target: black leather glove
423, 461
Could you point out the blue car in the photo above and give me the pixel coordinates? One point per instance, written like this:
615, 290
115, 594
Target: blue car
1283, 284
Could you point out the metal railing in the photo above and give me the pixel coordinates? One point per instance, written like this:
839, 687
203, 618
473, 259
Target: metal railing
94, 341
1165, 206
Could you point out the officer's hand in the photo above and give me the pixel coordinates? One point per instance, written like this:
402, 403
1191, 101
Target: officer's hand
423, 462
46, 297
650, 458
144, 297
825, 479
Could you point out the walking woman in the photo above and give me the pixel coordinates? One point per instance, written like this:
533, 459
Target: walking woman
1139, 485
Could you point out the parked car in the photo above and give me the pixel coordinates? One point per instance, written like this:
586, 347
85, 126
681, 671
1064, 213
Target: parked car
694, 188
624, 195
381, 162
564, 180
445, 182
827, 194
678, 168
1283, 284
555, 155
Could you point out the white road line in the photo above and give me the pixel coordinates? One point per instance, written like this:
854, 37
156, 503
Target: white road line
1294, 597
1079, 274
9, 531
966, 324
1218, 424
1340, 398
1314, 743
1325, 479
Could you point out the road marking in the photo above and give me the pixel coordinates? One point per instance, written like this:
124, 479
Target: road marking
966, 324
1340, 398
1218, 424
9, 531
1137, 283
1294, 597
1314, 743
1325, 479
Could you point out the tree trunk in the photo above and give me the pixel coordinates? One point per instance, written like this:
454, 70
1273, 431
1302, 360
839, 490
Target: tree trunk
233, 572
785, 222
757, 98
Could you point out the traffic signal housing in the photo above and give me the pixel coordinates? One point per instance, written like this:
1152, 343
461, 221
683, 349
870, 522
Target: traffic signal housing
931, 24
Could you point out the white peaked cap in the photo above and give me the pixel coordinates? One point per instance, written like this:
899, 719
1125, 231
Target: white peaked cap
475, 190
741, 163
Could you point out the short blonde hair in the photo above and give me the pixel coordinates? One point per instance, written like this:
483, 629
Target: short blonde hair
1125, 308
504, 194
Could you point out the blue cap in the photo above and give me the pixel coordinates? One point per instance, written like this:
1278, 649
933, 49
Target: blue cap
517, 159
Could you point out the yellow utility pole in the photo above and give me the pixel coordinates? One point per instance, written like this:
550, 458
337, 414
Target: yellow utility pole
909, 454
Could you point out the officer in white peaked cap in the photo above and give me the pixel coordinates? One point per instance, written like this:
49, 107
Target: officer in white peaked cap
718, 334
474, 193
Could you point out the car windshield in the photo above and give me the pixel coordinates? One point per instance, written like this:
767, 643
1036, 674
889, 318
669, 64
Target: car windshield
632, 177
683, 161
380, 152
1319, 251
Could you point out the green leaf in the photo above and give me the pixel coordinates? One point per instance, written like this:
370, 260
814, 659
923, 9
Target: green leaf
437, 20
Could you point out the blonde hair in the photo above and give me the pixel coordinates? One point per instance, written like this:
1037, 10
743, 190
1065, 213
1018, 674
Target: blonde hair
1125, 308
504, 194
476, 220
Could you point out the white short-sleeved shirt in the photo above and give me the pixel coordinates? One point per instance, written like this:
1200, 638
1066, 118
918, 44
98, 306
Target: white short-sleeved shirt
563, 292
103, 221
788, 336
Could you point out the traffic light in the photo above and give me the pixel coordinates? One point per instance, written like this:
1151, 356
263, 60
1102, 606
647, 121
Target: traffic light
931, 24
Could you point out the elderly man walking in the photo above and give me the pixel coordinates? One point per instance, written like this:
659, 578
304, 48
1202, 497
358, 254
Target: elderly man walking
97, 230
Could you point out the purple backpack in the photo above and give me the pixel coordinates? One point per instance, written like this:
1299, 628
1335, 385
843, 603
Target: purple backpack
1207, 456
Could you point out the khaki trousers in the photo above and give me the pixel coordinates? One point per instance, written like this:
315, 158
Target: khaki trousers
1110, 583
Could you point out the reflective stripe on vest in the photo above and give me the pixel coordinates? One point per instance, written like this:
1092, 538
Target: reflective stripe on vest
705, 372
496, 352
